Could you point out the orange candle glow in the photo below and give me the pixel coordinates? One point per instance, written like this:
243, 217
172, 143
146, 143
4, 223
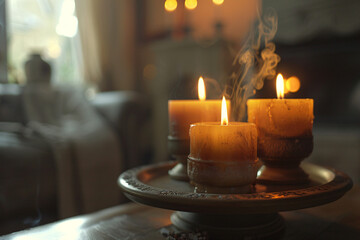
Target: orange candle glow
182, 113
224, 115
281, 117
284, 136
223, 154
223, 141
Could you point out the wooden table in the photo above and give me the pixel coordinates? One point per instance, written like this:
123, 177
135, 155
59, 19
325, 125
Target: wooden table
337, 220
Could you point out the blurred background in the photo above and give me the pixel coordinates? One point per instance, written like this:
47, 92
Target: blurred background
114, 64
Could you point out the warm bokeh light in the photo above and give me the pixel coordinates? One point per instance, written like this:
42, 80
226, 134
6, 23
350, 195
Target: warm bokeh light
190, 4
280, 86
218, 2
201, 89
170, 5
286, 91
292, 84
224, 116
54, 49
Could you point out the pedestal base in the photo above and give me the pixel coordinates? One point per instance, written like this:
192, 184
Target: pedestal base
282, 158
231, 226
179, 171
251, 216
201, 188
179, 148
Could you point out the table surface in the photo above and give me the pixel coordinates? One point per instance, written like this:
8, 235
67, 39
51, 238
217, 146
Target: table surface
337, 220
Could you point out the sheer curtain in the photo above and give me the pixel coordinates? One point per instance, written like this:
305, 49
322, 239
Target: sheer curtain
106, 30
3, 53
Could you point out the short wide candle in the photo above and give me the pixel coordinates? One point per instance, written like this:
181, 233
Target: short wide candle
223, 158
234, 142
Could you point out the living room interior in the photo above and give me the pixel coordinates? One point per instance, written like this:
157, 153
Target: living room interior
84, 89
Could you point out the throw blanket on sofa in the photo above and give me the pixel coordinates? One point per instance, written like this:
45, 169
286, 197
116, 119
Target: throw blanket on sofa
85, 149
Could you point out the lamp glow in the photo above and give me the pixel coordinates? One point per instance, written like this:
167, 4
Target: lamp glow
218, 2
170, 5
190, 4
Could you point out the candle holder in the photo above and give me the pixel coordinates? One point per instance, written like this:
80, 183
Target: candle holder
179, 149
221, 176
282, 158
284, 138
252, 215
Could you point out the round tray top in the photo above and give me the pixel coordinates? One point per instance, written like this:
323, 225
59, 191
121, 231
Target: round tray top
151, 185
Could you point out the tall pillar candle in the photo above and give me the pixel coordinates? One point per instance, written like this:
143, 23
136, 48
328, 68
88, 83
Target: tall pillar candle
182, 113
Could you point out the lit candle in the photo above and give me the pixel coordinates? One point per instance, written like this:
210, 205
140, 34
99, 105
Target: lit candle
282, 117
222, 155
284, 132
182, 113
234, 141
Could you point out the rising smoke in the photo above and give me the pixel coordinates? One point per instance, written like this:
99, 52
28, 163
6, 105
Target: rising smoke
255, 62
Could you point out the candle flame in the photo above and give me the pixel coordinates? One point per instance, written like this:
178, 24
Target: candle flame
201, 89
224, 116
280, 86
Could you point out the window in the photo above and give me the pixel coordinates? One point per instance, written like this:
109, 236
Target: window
48, 27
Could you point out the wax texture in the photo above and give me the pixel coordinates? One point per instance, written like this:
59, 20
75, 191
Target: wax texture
182, 113
233, 142
283, 118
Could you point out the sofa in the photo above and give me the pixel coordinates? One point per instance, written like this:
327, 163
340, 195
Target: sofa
28, 195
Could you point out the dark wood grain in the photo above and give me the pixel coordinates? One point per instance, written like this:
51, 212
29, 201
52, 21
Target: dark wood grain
151, 185
337, 220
